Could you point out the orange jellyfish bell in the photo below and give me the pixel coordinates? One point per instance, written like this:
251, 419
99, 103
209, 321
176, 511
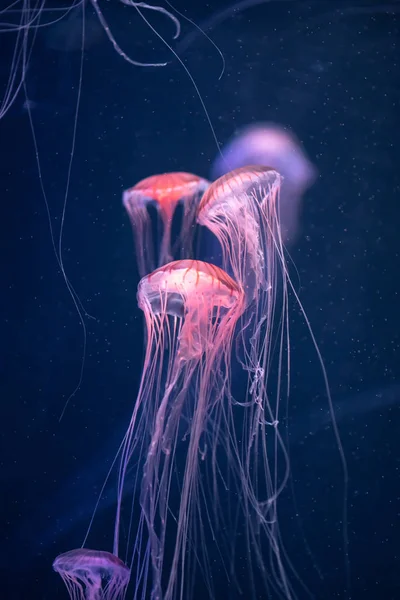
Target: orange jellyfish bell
165, 191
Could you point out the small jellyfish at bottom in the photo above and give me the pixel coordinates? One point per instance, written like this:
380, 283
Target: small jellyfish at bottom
93, 574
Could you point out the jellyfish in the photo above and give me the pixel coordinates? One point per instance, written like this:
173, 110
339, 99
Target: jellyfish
93, 574
272, 145
191, 309
165, 192
241, 209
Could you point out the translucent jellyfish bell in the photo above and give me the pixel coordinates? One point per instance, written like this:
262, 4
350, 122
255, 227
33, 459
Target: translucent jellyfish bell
241, 210
93, 574
165, 192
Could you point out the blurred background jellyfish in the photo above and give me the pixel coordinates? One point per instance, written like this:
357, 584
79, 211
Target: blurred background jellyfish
165, 192
272, 145
191, 309
93, 574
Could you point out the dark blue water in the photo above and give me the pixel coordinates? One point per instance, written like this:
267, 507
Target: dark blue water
330, 75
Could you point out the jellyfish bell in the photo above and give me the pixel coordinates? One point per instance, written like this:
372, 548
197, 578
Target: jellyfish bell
191, 309
93, 574
193, 290
271, 144
241, 210
165, 192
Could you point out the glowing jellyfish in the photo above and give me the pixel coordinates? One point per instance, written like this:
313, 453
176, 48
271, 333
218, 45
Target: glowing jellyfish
272, 145
165, 192
242, 210
191, 309
93, 575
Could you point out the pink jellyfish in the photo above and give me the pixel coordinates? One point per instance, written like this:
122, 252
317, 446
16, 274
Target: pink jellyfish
165, 192
241, 209
272, 145
93, 574
191, 309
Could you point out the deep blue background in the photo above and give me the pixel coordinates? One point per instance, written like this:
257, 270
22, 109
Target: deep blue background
329, 72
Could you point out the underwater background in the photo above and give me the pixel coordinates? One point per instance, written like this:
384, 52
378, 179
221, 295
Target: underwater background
329, 72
